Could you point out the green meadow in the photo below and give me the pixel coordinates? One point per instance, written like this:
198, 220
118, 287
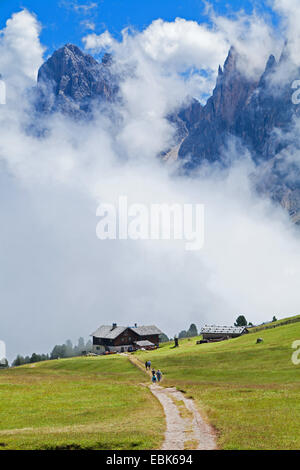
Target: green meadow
79, 403
249, 392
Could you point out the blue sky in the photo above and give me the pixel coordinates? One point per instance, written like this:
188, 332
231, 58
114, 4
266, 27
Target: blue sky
65, 20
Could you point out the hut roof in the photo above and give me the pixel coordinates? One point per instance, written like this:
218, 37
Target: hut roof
233, 330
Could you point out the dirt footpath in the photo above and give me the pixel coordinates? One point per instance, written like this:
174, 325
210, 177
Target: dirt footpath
186, 429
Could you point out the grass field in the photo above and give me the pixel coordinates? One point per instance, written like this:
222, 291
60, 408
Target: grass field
275, 324
250, 392
80, 403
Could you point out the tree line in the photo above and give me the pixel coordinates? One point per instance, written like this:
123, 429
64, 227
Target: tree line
59, 351
190, 333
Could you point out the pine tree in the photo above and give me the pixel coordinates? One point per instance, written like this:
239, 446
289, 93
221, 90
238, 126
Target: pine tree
192, 331
19, 361
182, 334
241, 321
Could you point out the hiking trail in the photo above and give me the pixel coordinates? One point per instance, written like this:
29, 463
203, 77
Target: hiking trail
185, 427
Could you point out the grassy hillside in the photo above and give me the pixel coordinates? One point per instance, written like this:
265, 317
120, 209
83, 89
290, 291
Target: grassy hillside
275, 324
96, 403
250, 392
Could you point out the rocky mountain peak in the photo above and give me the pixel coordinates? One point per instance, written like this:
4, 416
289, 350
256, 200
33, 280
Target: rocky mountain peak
271, 63
231, 92
230, 64
107, 59
70, 80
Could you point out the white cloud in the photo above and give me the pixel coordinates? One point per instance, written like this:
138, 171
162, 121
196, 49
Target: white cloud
82, 8
94, 42
88, 25
169, 48
182, 44
289, 11
253, 37
21, 53
179, 44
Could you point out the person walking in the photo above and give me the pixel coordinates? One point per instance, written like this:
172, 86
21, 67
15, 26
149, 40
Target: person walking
154, 378
146, 365
158, 375
153, 372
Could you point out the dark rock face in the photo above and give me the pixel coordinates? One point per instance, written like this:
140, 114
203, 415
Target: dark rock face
269, 108
260, 115
70, 81
216, 120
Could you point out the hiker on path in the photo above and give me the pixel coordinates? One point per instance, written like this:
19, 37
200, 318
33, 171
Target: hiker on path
153, 372
146, 365
159, 375
154, 378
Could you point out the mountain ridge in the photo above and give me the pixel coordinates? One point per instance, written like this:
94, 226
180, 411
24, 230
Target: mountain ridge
261, 115
258, 113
